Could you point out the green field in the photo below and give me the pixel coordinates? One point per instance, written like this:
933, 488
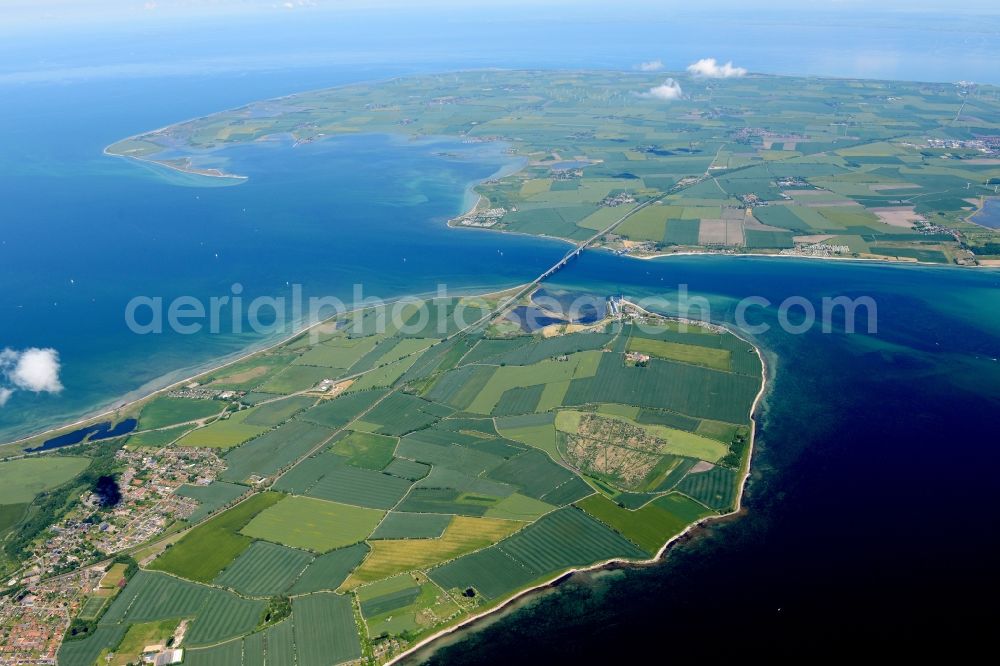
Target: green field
538, 431
556, 542
340, 352
209, 548
339, 412
446, 500
511, 377
166, 411
21, 480
366, 450
224, 433
444, 453
264, 569
519, 507
85, 652
361, 487
407, 469
460, 387
210, 498
536, 476
300, 478
219, 655
715, 488
401, 413
679, 387
274, 450
328, 571
151, 597
280, 644
521, 400
296, 378
324, 630
706, 356
652, 525
411, 526
385, 376
405, 347
313, 524
92, 607
156, 438
279, 411
249, 374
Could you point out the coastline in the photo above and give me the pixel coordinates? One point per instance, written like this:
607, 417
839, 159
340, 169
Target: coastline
503, 171
220, 363
693, 253
180, 169
214, 365
490, 612
467, 623
472, 619
775, 255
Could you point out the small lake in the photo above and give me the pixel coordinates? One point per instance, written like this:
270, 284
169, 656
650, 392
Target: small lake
989, 215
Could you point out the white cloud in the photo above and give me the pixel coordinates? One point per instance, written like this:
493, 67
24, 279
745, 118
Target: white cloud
33, 369
709, 68
651, 66
37, 370
668, 90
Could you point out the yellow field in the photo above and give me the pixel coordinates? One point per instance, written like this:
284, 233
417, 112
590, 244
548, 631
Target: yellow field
463, 535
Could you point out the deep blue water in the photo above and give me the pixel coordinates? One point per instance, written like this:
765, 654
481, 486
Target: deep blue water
92, 433
871, 509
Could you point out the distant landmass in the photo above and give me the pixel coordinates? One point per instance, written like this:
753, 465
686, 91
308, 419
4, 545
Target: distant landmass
751, 164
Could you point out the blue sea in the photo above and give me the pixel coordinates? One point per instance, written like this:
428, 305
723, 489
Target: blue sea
870, 511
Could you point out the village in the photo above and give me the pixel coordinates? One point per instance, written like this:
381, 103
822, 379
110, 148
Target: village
46, 595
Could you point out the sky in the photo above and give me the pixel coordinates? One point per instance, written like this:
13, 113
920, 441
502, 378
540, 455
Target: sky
62, 40
39, 13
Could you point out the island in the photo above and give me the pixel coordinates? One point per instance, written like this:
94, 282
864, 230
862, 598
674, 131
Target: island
377, 481
757, 164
